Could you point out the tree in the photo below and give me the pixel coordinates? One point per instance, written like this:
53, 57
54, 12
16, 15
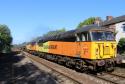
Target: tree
88, 21
5, 38
121, 45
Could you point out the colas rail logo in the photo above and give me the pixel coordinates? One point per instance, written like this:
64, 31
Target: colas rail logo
50, 46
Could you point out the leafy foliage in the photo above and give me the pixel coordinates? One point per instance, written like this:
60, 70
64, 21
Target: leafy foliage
5, 38
88, 21
121, 46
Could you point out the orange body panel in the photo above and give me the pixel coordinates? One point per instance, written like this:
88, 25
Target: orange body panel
69, 49
72, 49
63, 48
85, 50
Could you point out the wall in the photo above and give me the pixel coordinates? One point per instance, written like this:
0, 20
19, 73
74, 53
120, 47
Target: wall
110, 27
119, 30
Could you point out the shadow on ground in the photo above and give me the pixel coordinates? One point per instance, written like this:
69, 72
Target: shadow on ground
12, 72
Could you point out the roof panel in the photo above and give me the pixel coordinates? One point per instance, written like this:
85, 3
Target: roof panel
114, 21
88, 28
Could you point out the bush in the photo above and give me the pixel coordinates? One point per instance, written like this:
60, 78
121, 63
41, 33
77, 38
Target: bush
121, 46
5, 38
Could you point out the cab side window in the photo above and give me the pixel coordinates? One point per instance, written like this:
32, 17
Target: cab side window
77, 37
123, 27
83, 36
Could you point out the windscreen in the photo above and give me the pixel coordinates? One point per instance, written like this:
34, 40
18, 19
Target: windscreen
102, 36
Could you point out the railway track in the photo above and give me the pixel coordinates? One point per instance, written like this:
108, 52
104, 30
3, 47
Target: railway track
119, 71
113, 78
79, 78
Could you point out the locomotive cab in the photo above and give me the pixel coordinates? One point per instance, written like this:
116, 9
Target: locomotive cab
91, 47
99, 43
104, 44
97, 46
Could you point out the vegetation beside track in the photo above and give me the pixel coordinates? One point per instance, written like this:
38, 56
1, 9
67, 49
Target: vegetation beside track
121, 46
5, 39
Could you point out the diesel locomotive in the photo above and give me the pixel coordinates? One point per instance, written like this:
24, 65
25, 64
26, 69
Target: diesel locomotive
90, 47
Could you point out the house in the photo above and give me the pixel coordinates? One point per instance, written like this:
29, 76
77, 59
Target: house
116, 25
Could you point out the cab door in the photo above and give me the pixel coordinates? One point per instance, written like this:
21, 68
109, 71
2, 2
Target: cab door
78, 49
83, 45
78, 45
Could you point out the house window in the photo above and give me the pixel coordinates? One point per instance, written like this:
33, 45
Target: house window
124, 27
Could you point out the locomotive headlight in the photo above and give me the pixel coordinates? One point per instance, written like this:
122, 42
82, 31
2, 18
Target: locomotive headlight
107, 44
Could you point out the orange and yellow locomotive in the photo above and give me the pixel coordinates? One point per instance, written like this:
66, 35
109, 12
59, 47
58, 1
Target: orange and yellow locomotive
90, 47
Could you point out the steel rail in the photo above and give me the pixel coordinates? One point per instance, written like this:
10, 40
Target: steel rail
80, 78
110, 79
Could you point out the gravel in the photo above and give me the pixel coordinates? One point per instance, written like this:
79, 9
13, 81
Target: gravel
16, 69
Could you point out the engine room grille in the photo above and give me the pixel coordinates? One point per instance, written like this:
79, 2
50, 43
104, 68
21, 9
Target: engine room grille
106, 50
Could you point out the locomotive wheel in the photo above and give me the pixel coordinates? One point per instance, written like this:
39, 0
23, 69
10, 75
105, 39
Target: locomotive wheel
67, 64
109, 67
80, 66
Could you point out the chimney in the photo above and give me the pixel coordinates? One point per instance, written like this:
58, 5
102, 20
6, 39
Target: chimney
109, 18
97, 21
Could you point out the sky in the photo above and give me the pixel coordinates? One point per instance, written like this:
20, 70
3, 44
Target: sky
28, 19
